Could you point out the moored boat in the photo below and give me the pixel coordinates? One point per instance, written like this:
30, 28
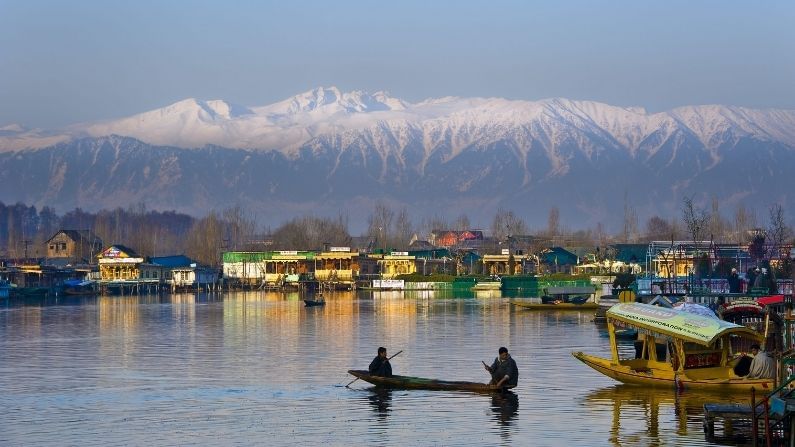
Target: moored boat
561, 298
419, 383
80, 287
537, 305
679, 349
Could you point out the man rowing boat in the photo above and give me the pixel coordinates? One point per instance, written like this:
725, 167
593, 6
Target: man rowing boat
504, 372
380, 365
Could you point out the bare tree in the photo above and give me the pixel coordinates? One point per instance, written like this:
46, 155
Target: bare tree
506, 223
462, 223
658, 229
553, 222
379, 224
630, 221
777, 232
717, 225
238, 227
744, 220
696, 220
205, 241
403, 229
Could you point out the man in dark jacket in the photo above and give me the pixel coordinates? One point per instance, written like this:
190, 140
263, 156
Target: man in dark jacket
735, 284
380, 365
504, 372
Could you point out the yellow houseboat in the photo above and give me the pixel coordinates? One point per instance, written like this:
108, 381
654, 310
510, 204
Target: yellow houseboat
677, 349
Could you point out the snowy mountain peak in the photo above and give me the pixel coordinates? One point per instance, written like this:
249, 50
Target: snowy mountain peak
388, 124
205, 110
331, 100
13, 128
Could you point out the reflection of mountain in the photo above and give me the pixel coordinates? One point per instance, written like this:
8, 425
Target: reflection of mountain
658, 407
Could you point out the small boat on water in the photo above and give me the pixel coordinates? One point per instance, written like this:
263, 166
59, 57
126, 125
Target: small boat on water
80, 287
679, 349
419, 383
562, 305
561, 298
310, 303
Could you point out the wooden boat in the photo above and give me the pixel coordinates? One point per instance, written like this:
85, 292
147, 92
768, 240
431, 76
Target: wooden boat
419, 383
561, 298
588, 305
80, 287
753, 314
679, 349
310, 303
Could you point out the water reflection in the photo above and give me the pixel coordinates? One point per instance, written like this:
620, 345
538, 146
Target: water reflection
505, 407
381, 401
648, 416
240, 367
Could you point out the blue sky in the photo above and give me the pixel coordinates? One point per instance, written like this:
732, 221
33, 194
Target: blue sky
67, 62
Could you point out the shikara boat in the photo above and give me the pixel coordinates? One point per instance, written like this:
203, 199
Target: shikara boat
80, 287
679, 349
751, 313
419, 383
561, 298
588, 305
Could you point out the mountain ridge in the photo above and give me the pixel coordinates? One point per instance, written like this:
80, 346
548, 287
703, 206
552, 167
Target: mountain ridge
291, 123
328, 151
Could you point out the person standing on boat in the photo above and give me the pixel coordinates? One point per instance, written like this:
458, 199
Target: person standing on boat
504, 371
735, 284
762, 366
380, 365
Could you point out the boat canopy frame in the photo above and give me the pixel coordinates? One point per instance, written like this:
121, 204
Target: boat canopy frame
676, 324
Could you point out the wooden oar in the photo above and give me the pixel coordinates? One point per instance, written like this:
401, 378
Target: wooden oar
390, 358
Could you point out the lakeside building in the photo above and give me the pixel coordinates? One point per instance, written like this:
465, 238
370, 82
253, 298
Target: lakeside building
73, 246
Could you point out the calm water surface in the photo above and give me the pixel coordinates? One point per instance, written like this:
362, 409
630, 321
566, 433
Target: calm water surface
259, 368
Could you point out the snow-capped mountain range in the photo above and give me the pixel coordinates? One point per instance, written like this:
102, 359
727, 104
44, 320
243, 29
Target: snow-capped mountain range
486, 152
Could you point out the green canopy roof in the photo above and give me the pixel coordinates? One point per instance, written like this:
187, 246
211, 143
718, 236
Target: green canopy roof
677, 324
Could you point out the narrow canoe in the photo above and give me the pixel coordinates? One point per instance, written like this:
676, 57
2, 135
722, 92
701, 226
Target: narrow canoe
314, 303
588, 305
419, 383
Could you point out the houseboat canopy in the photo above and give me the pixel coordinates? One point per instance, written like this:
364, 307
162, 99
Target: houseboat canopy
677, 324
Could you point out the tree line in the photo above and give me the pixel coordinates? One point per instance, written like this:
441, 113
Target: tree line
25, 229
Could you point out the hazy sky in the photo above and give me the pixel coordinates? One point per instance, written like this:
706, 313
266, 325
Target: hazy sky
66, 62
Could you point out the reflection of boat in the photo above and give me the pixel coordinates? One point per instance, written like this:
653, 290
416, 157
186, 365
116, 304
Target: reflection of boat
28, 292
698, 355
658, 406
419, 383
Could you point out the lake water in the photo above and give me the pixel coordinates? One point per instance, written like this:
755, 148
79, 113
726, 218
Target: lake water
260, 368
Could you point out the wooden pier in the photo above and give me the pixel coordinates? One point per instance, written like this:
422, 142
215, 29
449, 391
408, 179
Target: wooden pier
736, 421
